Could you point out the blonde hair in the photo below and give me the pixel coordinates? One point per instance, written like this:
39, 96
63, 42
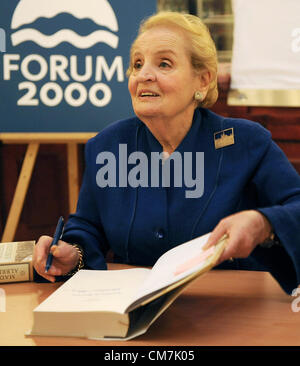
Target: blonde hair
202, 48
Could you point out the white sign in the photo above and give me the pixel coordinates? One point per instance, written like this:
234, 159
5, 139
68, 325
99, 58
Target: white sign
266, 48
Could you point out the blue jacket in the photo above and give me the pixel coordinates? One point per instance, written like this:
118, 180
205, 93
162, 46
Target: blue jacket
140, 223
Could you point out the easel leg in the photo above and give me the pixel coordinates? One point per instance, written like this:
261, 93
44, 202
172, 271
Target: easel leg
20, 193
73, 176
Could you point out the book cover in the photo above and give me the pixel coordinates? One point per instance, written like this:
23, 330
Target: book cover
16, 261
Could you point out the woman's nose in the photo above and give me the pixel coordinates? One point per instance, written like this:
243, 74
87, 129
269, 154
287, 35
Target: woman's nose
146, 74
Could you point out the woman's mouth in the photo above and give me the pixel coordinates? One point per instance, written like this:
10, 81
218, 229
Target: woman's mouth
144, 94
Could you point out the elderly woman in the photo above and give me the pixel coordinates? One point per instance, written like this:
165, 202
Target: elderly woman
250, 190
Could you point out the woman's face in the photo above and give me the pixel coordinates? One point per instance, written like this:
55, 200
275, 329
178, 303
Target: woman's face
162, 82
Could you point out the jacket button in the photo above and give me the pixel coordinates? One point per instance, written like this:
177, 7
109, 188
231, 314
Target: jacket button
160, 234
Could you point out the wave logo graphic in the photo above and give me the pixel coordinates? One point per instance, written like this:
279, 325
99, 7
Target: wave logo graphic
99, 11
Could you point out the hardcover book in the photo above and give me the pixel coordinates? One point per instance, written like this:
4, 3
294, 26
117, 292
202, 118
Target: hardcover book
122, 304
16, 261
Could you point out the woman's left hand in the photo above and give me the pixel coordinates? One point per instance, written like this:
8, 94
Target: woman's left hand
245, 230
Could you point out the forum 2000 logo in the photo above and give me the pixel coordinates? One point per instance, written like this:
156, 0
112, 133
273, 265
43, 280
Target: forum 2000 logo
55, 78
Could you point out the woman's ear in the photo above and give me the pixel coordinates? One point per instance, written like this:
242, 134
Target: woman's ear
204, 79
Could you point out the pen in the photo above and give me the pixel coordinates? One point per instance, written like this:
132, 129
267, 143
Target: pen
57, 236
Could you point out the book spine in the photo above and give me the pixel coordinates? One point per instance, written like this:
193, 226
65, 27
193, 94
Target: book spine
16, 272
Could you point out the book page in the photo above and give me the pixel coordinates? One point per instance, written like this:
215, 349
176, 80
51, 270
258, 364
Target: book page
16, 252
8, 252
177, 264
93, 290
24, 252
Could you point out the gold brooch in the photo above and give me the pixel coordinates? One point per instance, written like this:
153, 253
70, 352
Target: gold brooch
224, 138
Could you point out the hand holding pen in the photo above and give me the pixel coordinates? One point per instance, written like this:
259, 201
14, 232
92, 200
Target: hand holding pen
53, 257
57, 236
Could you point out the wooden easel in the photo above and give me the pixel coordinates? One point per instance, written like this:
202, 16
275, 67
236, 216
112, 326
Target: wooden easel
34, 140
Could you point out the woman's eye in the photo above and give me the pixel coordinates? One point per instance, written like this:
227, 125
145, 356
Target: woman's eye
137, 65
164, 64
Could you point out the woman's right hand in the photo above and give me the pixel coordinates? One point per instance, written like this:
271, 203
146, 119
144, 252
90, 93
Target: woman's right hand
65, 258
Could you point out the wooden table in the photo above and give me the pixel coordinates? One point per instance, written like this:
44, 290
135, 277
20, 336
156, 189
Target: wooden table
221, 308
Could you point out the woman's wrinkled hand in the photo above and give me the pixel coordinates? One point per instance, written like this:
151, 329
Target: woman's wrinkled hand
245, 230
65, 258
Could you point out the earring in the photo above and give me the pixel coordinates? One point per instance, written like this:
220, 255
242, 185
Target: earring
198, 96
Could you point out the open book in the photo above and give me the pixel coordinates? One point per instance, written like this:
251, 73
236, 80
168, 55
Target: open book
122, 304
